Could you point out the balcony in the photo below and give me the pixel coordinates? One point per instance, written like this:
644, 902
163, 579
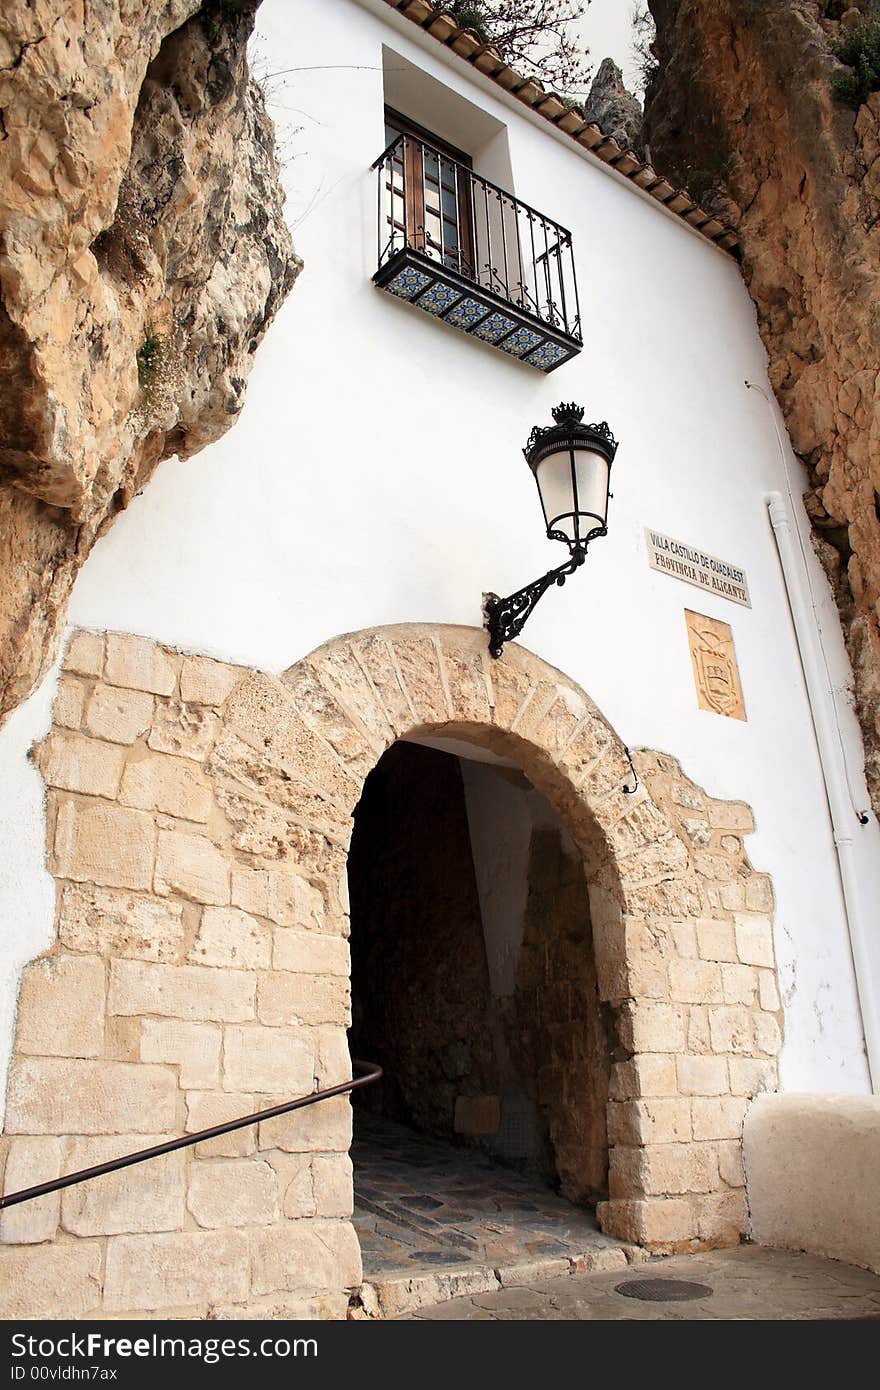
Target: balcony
460, 248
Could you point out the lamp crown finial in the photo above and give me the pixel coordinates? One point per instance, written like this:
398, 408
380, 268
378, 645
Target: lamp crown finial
564, 413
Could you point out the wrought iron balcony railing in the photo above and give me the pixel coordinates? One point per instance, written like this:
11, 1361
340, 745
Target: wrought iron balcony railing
463, 249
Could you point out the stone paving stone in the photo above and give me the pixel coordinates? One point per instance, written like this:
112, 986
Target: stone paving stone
749, 1283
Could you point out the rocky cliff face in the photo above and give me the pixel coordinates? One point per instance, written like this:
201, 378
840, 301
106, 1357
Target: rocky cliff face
743, 101
143, 254
615, 110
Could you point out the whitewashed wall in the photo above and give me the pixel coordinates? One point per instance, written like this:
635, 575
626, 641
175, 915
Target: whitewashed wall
376, 476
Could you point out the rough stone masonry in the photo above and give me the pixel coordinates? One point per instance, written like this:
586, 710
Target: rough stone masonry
198, 820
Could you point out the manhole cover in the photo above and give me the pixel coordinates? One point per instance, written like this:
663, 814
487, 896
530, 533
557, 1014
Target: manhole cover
663, 1290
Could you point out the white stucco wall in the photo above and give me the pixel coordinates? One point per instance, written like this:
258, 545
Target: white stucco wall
376, 476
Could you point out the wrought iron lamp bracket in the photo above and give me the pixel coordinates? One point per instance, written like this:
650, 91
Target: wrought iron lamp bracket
505, 618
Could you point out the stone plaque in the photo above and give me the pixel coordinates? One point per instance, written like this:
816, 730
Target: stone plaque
716, 673
697, 567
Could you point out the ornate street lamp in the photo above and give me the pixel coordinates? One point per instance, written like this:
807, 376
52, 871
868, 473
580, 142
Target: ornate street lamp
571, 463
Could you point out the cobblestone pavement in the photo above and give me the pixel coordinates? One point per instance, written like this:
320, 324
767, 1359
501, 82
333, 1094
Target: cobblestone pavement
748, 1283
426, 1206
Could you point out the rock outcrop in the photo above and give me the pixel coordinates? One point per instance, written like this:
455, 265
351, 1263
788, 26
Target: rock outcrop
143, 253
615, 110
744, 98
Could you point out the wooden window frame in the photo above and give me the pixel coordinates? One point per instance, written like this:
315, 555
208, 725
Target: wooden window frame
416, 232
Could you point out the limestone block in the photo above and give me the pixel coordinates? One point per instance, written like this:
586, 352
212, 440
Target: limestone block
375, 658
333, 1185
749, 1076
718, 1117
232, 1192
175, 1270
759, 893
768, 1037
325, 1127
656, 1028
279, 894
304, 952
325, 714
194, 1047
731, 815
477, 1115
327, 1307
187, 731
716, 941
67, 712
647, 975
268, 1060
650, 1074
754, 939
146, 1197
469, 691
419, 665
193, 867
739, 984
698, 1040
678, 1169
296, 1184
58, 1281
658, 1222
55, 1096
120, 716
108, 922
109, 845
285, 998
205, 682
730, 1162
721, 1217
333, 1057
661, 1120
732, 895
811, 1163
702, 1076
229, 937
684, 935
172, 785
205, 1109
31, 1161
695, 981
308, 1255
339, 670
78, 764
730, 1028
138, 664
61, 1007
193, 992
768, 993
85, 653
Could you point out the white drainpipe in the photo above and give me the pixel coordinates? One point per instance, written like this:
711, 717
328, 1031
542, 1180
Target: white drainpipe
843, 815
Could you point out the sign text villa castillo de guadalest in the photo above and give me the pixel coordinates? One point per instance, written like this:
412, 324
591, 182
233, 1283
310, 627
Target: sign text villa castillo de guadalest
697, 567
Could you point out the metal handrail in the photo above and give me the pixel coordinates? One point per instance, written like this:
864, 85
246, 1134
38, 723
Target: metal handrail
370, 1072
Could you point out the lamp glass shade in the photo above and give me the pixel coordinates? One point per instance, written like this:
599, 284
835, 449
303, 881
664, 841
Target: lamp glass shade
573, 487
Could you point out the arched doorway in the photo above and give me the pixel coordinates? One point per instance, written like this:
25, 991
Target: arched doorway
474, 986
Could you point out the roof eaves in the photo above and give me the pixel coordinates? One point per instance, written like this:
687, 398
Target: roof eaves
530, 91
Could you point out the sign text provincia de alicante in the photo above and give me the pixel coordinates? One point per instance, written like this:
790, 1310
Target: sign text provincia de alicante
697, 567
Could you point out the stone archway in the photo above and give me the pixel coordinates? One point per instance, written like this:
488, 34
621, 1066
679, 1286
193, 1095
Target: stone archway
199, 816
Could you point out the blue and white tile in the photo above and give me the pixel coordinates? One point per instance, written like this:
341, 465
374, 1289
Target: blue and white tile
408, 283
547, 356
439, 298
468, 313
494, 327
521, 342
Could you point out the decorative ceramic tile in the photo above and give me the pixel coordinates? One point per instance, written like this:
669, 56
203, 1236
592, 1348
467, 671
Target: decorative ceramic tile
494, 327
468, 313
408, 283
438, 298
521, 342
547, 356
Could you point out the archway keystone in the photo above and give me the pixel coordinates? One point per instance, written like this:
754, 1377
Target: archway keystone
199, 816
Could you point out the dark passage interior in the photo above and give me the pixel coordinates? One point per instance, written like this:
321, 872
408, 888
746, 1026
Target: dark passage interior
473, 982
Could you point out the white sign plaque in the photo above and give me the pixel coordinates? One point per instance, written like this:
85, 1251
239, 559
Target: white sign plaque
697, 567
